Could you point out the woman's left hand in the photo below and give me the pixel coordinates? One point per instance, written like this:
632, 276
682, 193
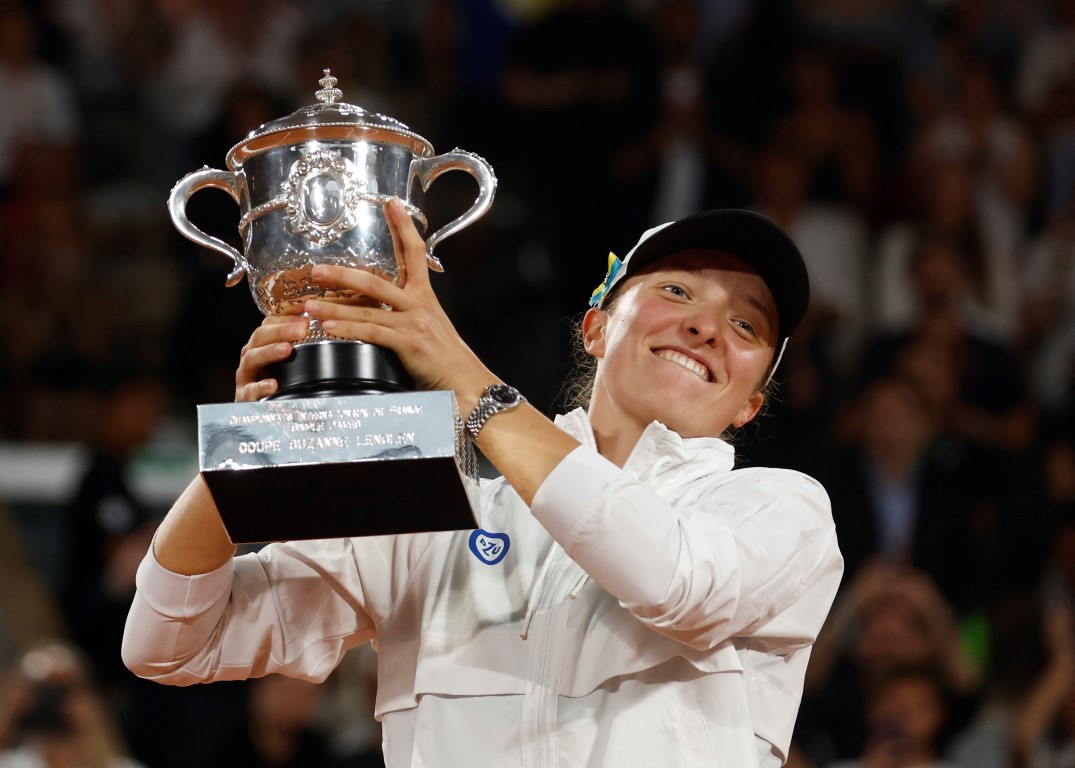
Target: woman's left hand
416, 327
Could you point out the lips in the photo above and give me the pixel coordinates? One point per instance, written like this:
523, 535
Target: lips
692, 365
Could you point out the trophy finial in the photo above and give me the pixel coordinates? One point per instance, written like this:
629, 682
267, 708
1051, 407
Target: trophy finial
329, 93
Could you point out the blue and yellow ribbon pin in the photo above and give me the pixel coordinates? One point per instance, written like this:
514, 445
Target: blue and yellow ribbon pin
599, 292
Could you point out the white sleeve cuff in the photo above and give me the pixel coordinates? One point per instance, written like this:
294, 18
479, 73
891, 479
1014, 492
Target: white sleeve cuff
568, 490
178, 596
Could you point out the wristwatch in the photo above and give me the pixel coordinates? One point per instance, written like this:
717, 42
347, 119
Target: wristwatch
496, 398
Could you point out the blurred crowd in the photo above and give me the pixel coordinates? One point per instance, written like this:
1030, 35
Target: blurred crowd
920, 152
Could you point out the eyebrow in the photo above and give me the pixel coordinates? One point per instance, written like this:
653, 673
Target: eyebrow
760, 306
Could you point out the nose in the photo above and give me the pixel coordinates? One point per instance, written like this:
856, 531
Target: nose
703, 328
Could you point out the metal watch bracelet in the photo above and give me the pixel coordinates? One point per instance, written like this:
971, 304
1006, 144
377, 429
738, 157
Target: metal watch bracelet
496, 398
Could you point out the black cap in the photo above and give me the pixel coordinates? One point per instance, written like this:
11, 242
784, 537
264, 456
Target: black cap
745, 234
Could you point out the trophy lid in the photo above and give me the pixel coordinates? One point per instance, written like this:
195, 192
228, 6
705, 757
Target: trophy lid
328, 119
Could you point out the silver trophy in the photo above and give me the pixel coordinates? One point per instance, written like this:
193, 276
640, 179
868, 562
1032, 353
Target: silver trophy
345, 448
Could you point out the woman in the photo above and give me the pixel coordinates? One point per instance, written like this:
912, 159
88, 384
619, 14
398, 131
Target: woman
628, 599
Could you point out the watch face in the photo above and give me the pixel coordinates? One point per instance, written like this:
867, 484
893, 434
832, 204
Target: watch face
503, 394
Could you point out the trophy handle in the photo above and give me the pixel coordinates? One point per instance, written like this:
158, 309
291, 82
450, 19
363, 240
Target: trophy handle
177, 207
429, 168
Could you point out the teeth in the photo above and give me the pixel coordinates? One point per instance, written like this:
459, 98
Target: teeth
691, 365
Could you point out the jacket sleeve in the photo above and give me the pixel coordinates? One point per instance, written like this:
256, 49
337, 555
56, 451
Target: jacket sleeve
293, 608
730, 563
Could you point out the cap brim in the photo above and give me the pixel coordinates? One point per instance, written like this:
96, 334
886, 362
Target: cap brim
747, 235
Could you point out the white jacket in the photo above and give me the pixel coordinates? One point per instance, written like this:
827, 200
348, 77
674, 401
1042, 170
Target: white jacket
667, 620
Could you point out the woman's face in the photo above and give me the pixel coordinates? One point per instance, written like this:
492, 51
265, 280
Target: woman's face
688, 343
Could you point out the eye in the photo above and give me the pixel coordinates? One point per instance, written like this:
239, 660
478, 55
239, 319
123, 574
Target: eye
745, 326
676, 290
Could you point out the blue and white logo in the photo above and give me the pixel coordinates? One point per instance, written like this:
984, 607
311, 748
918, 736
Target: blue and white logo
490, 548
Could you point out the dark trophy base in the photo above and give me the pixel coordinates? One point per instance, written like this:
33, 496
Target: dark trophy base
344, 449
332, 368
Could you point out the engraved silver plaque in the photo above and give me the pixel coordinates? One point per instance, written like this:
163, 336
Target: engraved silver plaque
338, 466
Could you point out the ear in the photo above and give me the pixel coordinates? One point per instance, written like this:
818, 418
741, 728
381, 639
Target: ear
749, 410
593, 331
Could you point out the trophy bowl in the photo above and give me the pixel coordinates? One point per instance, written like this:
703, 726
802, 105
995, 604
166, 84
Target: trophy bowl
384, 459
311, 188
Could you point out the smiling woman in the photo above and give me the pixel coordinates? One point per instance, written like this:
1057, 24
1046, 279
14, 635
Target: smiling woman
627, 599
700, 327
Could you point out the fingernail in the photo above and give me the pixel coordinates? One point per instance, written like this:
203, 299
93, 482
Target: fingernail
282, 349
312, 306
318, 270
328, 325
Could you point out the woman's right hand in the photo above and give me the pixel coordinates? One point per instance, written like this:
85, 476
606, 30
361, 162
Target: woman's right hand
271, 342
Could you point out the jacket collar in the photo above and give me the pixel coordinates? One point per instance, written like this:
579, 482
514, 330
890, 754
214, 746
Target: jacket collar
659, 450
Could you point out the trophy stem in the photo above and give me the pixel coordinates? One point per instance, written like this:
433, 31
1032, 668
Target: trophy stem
331, 368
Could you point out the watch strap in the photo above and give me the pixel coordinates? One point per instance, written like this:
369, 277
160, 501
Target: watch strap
496, 398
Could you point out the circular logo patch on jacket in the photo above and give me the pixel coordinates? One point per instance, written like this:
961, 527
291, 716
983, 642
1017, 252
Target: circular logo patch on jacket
488, 547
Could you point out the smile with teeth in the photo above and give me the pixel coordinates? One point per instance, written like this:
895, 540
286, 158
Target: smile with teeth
689, 363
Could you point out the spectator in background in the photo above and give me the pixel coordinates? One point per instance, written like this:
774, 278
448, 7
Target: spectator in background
465, 43
745, 92
906, 713
667, 174
903, 494
578, 83
37, 106
45, 274
211, 46
1027, 719
889, 618
1045, 92
984, 401
949, 208
280, 730
977, 130
347, 713
104, 42
107, 525
51, 715
1047, 312
40, 243
1043, 732
29, 611
681, 144
1014, 660
106, 49
1058, 586
46, 280
974, 386
837, 144
697, 155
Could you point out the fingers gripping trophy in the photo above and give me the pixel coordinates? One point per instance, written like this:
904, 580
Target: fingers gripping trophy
345, 447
